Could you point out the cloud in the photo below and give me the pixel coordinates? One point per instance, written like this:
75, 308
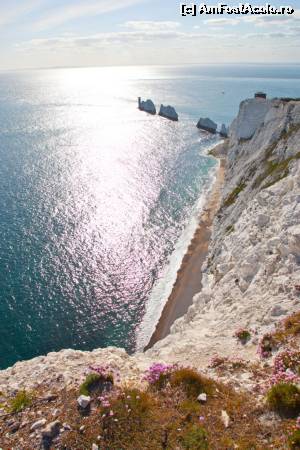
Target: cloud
278, 35
222, 22
147, 25
74, 11
271, 20
100, 40
11, 13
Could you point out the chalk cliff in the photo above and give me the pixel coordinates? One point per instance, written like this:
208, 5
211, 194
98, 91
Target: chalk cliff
252, 268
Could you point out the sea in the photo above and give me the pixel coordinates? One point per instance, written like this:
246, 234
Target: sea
99, 201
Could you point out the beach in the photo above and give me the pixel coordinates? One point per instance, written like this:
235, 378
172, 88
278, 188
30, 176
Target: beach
189, 276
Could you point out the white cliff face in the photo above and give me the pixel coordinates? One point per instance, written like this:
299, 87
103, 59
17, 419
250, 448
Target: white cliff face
252, 268
251, 117
254, 259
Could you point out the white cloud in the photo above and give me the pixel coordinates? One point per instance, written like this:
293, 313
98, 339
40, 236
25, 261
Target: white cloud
148, 25
11, 13
80, 9
110, 38
271, 20
222, 22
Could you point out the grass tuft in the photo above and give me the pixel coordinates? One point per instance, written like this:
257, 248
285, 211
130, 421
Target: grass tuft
94, 383
294, 440
191, 382
195, 438
234, 195
285, 399
22, 400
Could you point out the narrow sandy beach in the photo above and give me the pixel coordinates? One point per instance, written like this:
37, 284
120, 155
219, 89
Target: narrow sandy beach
189, 276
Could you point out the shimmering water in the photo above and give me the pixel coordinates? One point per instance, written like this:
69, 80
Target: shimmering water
99, 200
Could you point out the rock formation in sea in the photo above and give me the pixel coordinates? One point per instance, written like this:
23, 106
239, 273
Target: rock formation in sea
207, 125
238, 323
147, 106
168, 112
224, 131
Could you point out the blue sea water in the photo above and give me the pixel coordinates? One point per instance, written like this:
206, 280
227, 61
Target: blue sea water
99, 200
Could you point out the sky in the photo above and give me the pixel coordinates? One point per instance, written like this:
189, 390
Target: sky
62, 33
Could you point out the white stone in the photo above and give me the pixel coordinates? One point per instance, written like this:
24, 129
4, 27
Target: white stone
225, 418
202, 398
95, 447
38, 424
84, 401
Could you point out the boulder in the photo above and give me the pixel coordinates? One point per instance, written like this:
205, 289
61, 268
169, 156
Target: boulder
207, 125
38, 424
84, 401
51, 430
168, 112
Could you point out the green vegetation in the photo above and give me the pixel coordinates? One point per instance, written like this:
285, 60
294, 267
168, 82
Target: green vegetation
285, 399
93, 383
276, 170
191, 382
294, 440
288, 329
230, 229
22, 400
195, 438
234, 194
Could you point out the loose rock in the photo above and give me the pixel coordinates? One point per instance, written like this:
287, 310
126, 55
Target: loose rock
51, 430
202, 398
225, 419
84, 401
38, 424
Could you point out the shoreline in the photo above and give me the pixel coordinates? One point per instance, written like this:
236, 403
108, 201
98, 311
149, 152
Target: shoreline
189, 276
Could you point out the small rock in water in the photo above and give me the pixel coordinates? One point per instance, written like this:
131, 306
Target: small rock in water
95, 447
67, 426
84, 401
51, 430
38, 424
225, 419
202, 398
81, 429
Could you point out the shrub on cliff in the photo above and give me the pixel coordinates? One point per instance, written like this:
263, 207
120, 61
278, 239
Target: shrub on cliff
195, 438
93, 383
158, 375
22, 400
191, 382
294, 440
100, 379
243, 335
285, 399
